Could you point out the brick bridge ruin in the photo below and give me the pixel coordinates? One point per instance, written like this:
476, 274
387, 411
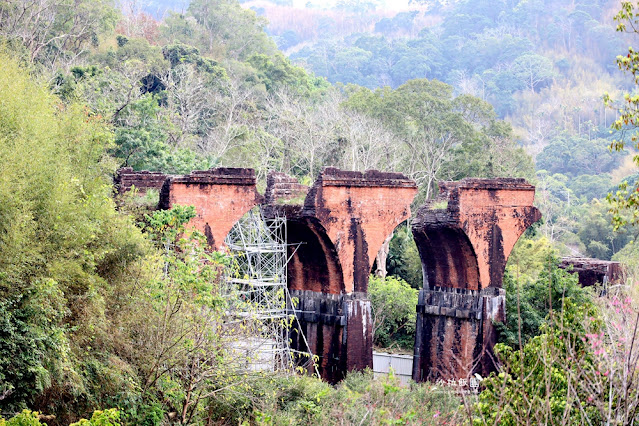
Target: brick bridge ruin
342, 221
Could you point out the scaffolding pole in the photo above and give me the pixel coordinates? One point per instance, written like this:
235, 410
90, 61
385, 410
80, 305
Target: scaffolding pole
257, 293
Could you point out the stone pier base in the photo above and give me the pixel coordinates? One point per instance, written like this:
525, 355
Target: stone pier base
455, 332
337, 329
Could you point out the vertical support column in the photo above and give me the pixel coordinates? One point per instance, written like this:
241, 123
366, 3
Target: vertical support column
464, 249
323, 325
455, 332
359, 333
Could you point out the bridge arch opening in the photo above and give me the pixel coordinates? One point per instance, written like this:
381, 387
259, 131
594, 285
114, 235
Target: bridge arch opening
464, 248
314, 264
448, 259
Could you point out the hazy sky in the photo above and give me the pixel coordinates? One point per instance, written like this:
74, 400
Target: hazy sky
391, 4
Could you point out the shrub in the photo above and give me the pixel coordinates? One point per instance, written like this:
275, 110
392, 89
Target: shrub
393, 308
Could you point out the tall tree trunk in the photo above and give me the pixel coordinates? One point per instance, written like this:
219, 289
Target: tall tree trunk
382, 255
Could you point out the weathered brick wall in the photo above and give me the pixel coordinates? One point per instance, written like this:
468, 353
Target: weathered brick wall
323, 322
126, 178
453, 331
284, 189
483, 216
358, 211
341, 225
221, 197
464, 247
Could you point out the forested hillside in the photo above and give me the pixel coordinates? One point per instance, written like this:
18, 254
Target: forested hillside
538, 61
89, 88
103, 306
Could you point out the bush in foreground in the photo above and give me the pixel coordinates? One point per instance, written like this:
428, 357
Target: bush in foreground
358, 399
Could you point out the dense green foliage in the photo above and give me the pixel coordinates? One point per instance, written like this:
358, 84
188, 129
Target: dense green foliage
403, 258
625, 200
510, 46
446, 136
358, 399
529, 301
534, 383
65, 251
566, 356
577, 225
108, 417
529, 59
581, 369
542, 65
393, 304
577, 156
25, 418
92, 315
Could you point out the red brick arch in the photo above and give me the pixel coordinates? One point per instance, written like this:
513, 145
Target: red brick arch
221, 197
464, 248
341, 226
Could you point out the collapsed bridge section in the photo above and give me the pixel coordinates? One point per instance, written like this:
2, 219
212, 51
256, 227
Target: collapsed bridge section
464, 238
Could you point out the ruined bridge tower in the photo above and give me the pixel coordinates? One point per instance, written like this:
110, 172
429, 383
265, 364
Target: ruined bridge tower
464, 248
221, 197
340, 228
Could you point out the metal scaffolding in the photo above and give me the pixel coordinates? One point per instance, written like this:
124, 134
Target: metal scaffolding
257, 293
